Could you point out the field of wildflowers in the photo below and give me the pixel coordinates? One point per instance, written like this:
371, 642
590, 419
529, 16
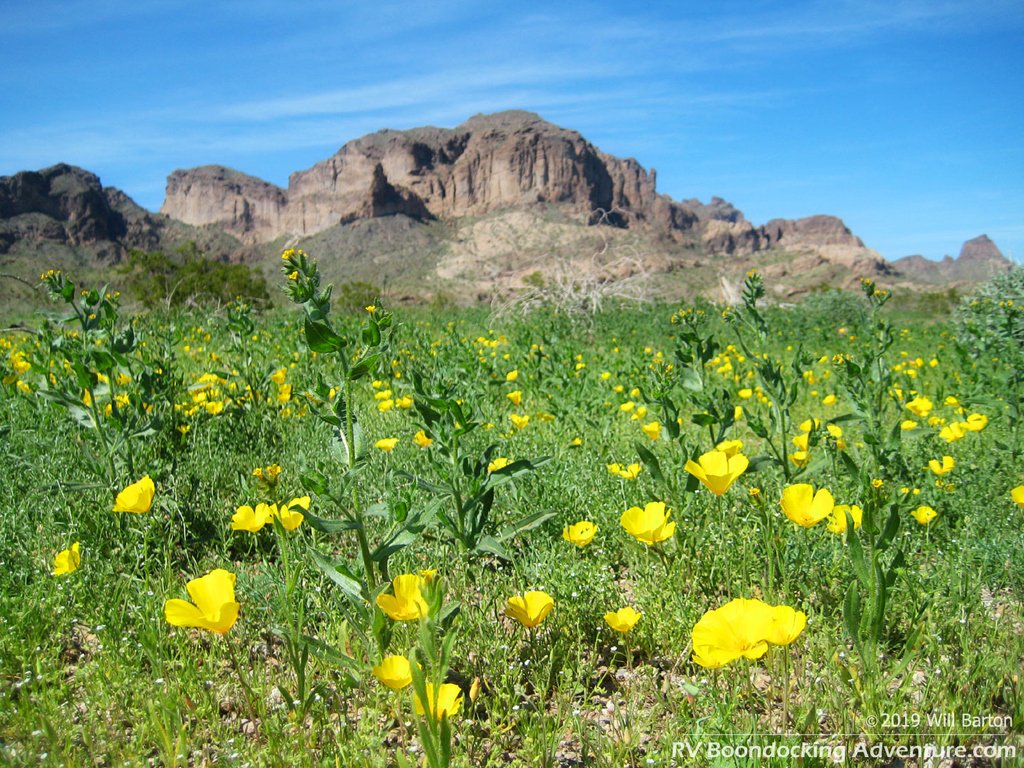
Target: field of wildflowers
310, 538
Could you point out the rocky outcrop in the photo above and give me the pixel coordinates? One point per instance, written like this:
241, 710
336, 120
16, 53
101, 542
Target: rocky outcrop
518, 196
810, 231
385, 199
981, 253
716, 210
248, 208
489, 162
68, 207
61, 203
979, 260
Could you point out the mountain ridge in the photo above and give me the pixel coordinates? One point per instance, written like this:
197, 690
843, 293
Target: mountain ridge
491, 203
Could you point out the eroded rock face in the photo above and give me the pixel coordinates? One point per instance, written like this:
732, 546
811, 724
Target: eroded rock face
68, 206
491, 162
61, 203
487, 163
246, 207
812, 230
980, 250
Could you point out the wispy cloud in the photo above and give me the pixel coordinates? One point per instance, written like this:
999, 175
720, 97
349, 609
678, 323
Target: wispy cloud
834, 23
786, 108
405, 91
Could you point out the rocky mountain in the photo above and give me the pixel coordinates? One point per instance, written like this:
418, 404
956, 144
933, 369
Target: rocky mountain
979, 260
477, 211
489, 162
62, 204
67, 208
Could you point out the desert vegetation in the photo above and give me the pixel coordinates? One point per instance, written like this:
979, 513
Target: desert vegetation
342, 535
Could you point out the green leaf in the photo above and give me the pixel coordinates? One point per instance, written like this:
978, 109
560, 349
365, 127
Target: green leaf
371, 334
852, 613
651, 462
849, 463
892, 525
75, 487
314, 482
396, 543
446, 740
845, 418
83, 416
325, 525
363, 367
334, 656
351, 588
491, 546
878, 604
426, 485
894, 566
320, 337
690, 379
895, 436
148, 430
758, 463
703, 419
447, 614
516, 469
860, 568
524, 524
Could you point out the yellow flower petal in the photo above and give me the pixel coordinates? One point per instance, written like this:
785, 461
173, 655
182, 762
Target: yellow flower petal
67, 561
215, 607
529, 609
622, 620
805, 507
137, 497
394, 671
580, 534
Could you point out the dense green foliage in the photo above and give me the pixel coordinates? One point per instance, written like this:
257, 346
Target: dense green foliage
189, 279
505, 433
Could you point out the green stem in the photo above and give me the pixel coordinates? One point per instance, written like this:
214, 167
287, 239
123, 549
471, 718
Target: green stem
460, 511
103, 437
253, 709
783, 429
785, 696
364, 545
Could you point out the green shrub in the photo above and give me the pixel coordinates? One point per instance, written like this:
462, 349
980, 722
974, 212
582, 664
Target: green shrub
190, 279
356, 296
991, 320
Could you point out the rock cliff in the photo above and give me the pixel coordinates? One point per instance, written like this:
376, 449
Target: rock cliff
489, 163
68, 207
60, 203
505, 160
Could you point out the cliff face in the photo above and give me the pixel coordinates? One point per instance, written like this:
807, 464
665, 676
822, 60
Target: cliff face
69, 207
489, 162
61, 203
248, 208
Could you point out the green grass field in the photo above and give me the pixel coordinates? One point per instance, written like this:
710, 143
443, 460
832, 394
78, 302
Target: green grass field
860, 632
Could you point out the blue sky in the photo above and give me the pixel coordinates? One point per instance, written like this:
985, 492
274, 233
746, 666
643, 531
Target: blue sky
906, 119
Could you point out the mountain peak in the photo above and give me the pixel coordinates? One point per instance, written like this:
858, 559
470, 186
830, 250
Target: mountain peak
980, 249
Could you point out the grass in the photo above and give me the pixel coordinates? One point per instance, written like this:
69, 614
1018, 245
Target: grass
92, 673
